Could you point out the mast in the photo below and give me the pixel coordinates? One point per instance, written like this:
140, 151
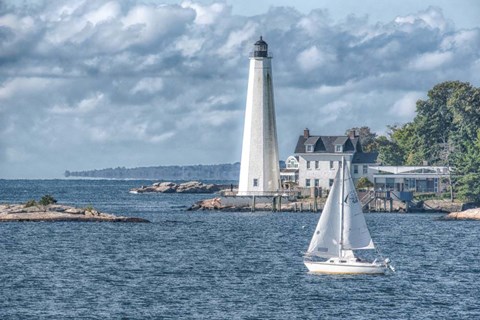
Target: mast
342, 196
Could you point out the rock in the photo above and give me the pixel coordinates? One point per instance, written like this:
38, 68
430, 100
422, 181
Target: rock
186, 187
208, 204
18, 212
470, 214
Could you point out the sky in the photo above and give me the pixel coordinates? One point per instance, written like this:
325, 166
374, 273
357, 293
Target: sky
99, 84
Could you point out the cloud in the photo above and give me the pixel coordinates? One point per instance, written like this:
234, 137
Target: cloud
431, 60
128, 83
406, 105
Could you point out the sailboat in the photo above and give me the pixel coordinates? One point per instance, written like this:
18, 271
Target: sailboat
342, 229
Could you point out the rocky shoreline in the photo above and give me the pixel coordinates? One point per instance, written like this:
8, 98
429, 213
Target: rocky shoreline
186, 187
58, 213
279, 205
470, 214
308, 205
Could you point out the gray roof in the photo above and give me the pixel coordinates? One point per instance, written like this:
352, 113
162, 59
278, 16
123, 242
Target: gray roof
312, 140
360, 157
340, 140
326, 144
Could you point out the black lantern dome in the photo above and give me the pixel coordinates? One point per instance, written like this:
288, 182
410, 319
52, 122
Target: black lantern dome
260, 48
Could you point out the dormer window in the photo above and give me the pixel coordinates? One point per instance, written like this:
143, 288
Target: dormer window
309, 147
338, 148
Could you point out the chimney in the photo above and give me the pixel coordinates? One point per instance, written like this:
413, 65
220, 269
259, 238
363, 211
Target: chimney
353, 134
306, 133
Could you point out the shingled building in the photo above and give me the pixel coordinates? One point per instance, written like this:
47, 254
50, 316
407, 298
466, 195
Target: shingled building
319, 158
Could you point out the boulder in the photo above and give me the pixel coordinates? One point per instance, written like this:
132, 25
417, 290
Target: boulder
470, 214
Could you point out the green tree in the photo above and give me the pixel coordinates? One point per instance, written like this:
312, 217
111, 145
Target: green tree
467, 172
450, 115
389, 152
406, 139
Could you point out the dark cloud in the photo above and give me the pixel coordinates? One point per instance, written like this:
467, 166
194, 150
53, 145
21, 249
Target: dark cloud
91, 84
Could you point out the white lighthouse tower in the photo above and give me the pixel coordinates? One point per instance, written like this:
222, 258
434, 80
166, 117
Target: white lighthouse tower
259, 169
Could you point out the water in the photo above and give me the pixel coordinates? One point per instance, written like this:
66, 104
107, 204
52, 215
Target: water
213, 265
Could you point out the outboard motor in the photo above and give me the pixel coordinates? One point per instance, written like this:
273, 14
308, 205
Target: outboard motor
387, 264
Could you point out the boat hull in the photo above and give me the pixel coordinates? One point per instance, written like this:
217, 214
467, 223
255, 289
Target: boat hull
350, 267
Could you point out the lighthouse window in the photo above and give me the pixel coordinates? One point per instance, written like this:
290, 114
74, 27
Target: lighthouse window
255, 182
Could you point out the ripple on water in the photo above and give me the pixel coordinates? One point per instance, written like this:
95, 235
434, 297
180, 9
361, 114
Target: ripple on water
220, 265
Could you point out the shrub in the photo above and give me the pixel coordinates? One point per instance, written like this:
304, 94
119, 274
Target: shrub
47, 199
364, 183
30, 203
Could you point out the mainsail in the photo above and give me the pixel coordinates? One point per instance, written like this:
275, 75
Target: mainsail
355, 231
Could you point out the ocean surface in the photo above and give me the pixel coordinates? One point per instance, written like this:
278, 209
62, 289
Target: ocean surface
220, 265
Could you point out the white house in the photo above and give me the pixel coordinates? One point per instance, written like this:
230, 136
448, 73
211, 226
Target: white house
290, 172
319, 158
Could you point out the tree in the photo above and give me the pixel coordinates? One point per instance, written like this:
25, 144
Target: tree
444, 131
390, 153
467, 172
451, 114
406, 139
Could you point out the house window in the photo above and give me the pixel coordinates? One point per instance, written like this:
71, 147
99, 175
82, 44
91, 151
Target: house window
307, 182
390, 183
255, 182
316, 164
355, 169
309, 147
331, 165
292, 163
330, 182
365, 169
338, 148
317, 182
308, 164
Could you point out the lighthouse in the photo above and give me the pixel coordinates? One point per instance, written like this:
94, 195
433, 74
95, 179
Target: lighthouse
259, 168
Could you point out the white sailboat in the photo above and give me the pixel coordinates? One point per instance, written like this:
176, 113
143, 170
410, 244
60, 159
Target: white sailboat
340, 230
